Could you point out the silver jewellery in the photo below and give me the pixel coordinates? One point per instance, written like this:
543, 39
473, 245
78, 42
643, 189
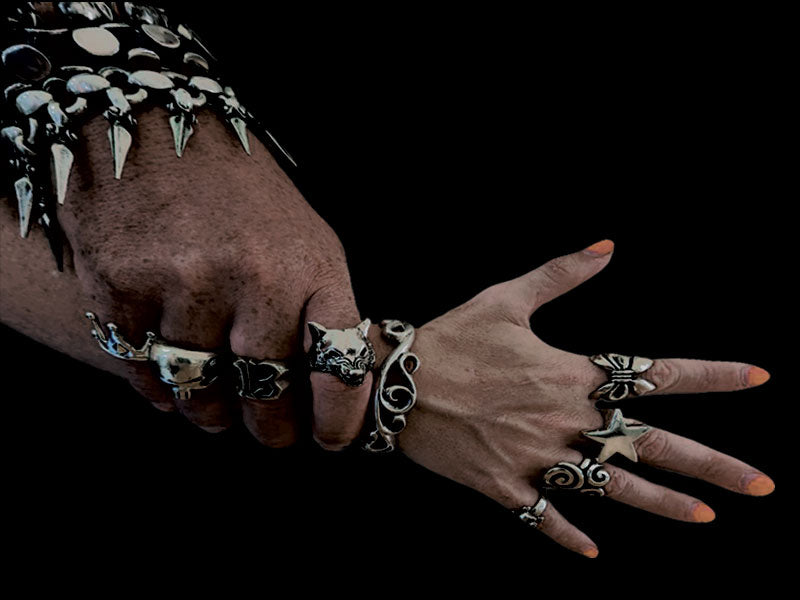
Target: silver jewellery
618, 437
532, 515
92, 58
588, 478
392, 402
260, 379
344, 353
624, 377
183, 370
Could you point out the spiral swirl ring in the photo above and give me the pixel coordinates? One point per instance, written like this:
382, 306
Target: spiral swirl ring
588, 478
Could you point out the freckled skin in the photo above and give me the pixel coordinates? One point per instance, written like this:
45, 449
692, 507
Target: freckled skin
220, 249
497, 407
216, 249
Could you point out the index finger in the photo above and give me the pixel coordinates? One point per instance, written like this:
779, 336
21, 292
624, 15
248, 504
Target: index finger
341, 380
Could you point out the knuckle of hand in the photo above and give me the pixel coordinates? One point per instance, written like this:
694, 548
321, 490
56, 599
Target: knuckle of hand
111, 271
319, 272
654, 445
708, 376
620, 485
502, 304
120, 279
332, 441
591, 418
334, 244
558, 271
494, 294
501, 490
213, 428
710, 467
664, 375
271, 441
325, 244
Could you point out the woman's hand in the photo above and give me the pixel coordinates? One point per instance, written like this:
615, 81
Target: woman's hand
216, 251
497, 407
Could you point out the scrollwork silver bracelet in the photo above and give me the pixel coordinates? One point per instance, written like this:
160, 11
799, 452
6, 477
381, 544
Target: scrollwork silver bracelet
395, 393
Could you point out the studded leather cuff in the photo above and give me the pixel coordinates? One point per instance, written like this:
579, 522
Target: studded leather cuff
93, 58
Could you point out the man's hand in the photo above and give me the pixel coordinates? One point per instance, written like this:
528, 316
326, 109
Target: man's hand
216, 250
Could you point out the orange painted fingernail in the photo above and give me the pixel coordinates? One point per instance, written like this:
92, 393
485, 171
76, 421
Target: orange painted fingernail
600, 248
757, 376
591, 552
759, 485
702, 513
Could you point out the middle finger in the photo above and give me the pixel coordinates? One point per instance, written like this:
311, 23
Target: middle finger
267, 335
691, 376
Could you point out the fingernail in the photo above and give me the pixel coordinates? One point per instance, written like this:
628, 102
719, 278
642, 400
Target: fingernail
213, 428
757, 376
591, 552
600, 248
757, 484
702, 513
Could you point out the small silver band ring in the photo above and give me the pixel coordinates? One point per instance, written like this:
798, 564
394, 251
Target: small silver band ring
532, 515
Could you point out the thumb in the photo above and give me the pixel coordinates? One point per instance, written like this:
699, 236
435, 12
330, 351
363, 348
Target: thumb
333, 320
560, 275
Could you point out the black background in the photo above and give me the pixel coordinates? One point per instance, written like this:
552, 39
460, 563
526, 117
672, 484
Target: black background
451, 151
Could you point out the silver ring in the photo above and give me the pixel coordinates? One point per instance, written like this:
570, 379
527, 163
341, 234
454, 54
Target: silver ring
618, 436
623, 376
588, 478
344, 353
260, 379
532, 515
183, 370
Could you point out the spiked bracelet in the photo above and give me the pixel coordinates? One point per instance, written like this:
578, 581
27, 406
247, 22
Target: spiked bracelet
92, 58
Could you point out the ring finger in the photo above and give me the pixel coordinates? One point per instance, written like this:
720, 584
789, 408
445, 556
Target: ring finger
186, 327
631, 489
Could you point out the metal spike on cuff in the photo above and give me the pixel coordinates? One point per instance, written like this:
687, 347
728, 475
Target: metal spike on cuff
120, 140
182, 130
119, 136
52, 231
172, 68
61, 165
24, 191
183, 118
241, 132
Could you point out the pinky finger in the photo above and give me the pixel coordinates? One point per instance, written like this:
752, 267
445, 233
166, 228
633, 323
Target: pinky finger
556, 527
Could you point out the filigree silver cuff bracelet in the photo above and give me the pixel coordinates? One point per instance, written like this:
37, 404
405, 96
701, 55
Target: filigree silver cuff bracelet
395, 393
